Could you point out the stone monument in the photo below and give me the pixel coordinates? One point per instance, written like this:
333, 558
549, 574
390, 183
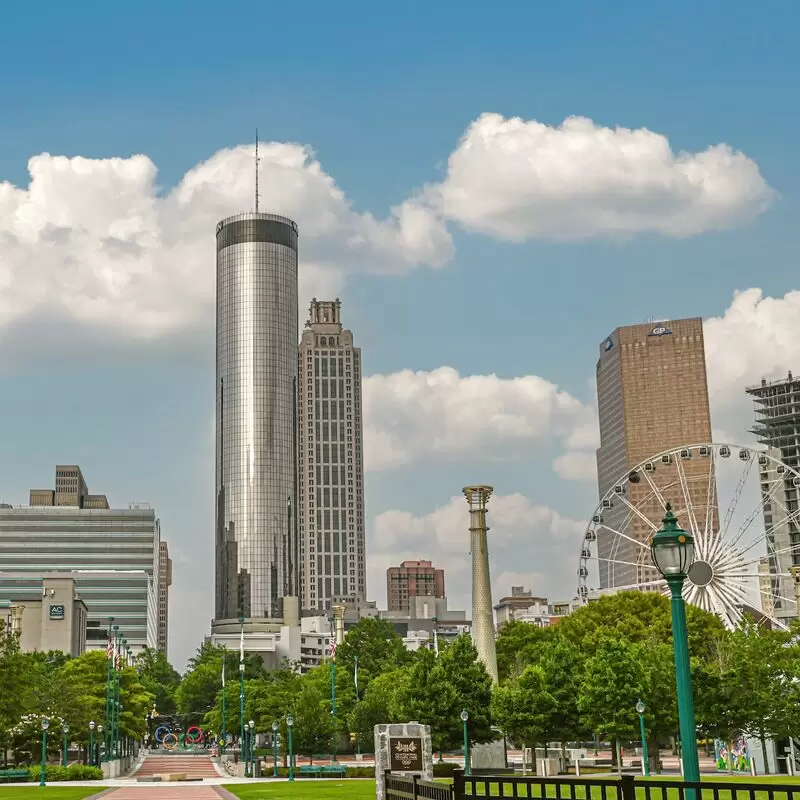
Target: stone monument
404, 748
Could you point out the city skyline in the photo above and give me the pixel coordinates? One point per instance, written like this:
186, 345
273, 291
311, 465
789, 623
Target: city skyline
487, 209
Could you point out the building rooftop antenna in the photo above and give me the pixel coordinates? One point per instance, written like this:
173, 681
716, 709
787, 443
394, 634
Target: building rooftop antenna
256, 170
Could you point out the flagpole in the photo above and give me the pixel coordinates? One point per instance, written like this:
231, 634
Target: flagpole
223, 738
355, 681
333, 690
241, 697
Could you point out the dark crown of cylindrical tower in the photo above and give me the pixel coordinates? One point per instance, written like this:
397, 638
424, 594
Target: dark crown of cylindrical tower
267, 228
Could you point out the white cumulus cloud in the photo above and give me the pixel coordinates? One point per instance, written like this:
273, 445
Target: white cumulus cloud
526, 541
409, 416
97, 243
517, 179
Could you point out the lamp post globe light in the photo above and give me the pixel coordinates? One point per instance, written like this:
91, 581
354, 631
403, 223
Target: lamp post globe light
464, 720
673, 553
275, 749
91, 744
45, 726
65, 743
290, 726
640, 708
100, 755
252, 748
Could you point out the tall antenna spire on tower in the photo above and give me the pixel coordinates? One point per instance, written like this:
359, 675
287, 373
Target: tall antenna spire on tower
256, 170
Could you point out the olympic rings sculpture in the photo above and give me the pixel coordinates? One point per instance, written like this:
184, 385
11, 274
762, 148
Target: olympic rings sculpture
171, 745
160, 733
194, 737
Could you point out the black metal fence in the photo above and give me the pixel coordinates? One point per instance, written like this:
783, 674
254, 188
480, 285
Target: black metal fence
624, 787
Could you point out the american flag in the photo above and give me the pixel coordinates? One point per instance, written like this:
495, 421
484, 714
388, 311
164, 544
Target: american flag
119, 660
110, 649
333, 649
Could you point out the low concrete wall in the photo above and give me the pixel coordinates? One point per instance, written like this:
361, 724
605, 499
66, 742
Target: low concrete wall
118, 767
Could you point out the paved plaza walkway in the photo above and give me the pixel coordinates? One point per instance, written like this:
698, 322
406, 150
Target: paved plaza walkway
168, 791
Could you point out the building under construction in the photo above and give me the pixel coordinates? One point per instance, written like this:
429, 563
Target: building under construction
777, 426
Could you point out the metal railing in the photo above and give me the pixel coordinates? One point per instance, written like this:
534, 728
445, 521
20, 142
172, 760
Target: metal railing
623, 787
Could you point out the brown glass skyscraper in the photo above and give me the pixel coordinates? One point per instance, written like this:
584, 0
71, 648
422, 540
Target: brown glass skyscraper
652, 395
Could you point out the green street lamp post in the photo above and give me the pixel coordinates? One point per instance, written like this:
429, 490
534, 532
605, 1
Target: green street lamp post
45, 726
108, 689
645, 757
275, 749
673, 553
290, 726
252, 748
91, 744
100, 755
464, 720
64, 743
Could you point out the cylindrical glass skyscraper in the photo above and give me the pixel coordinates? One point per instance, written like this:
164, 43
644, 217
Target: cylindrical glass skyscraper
256, 391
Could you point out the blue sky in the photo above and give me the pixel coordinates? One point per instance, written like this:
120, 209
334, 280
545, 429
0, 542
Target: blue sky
383, 97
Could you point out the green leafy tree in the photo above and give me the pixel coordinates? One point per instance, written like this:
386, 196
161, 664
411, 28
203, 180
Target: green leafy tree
13, 679
376, 645
379, 705
465, 672
198, 690
613, 680
519, 645
524, 708
159, 678
762, 667
562, 664
313, 723
638, 617
428, 697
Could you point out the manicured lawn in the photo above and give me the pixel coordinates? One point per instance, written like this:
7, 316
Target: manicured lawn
354, 789
54, 792
306, 789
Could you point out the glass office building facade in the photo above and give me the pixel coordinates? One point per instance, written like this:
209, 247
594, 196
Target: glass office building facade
113, 555
256, 413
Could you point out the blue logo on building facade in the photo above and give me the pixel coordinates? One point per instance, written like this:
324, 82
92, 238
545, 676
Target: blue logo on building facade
608, 344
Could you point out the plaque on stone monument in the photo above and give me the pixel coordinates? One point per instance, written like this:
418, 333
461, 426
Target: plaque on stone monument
405, 755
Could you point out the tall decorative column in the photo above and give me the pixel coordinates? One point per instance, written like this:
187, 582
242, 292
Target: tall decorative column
482, 613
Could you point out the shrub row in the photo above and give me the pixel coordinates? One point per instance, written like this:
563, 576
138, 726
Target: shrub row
444, 770
74, 772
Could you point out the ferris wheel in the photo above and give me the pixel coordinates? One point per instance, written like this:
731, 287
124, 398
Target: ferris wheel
740, 504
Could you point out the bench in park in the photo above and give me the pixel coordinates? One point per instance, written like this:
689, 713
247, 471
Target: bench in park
12, 775
319, 771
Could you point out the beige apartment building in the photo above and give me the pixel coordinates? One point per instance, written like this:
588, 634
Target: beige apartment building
652, 395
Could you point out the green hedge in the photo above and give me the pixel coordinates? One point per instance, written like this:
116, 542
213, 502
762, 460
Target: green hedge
74, 772
444, 770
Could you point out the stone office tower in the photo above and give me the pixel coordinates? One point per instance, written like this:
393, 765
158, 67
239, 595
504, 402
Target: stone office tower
331, 476
652, 395
256, 416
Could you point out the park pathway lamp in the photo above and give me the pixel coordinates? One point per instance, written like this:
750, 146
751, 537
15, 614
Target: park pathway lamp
290, 726
100, 744
645, 759
45, 726
252, 748
91, 744
673, 554
464, 720
275, 749
65, 743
